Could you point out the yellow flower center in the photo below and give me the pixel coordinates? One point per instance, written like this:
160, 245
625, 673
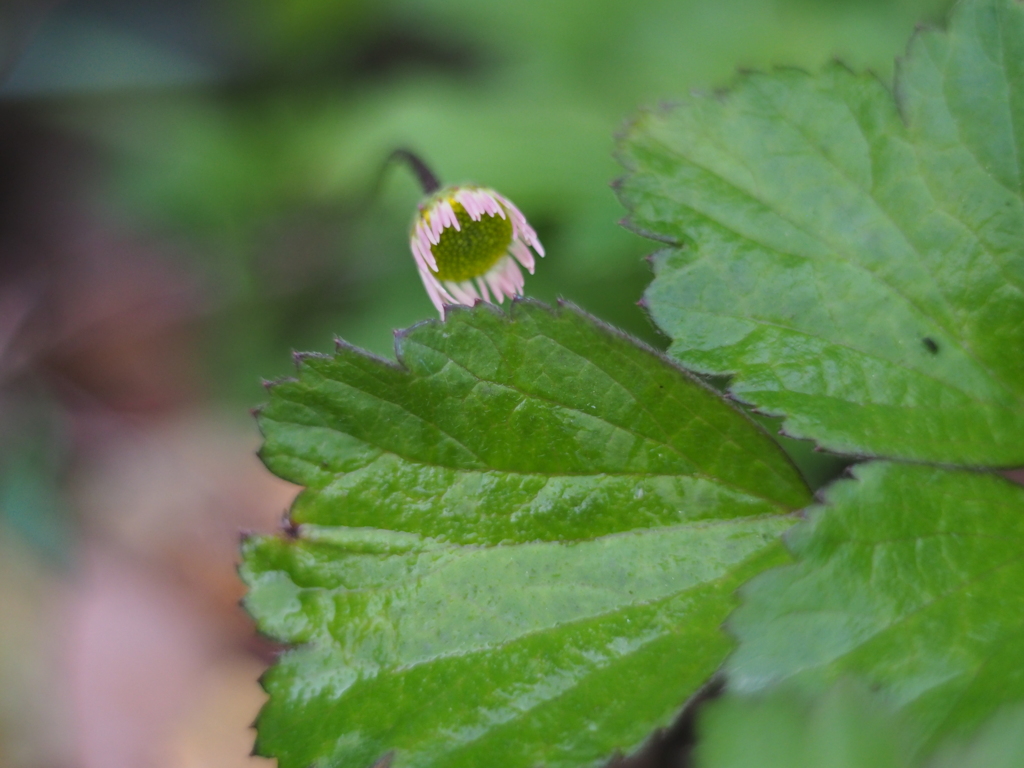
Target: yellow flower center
474, 248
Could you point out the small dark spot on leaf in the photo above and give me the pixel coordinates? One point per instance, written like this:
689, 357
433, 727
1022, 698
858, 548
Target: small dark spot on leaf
930, 345
1014, 475
288, 527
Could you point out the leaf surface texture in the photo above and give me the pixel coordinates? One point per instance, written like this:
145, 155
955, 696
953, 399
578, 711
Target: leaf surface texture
515, 547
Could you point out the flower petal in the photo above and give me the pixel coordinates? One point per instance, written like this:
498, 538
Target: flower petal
520, 227
522, 254
468, 201
464, 293
505, 279
438, 295
491, 205
482, 285
449, 212
424, 251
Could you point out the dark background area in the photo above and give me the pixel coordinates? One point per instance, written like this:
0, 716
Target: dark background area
191, 190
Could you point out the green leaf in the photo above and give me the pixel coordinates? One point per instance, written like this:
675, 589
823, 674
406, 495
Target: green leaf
845, 728
857, 263
998, 744
910, 577
514, 548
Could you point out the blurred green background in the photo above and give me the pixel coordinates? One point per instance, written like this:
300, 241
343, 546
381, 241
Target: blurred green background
191, 189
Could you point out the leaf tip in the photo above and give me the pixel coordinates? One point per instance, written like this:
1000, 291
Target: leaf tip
448, 311
298, 358
623, 134
289, 527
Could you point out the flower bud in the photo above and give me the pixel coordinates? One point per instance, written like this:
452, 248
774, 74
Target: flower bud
466, 241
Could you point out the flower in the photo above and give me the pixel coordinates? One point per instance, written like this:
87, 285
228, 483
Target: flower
466, 240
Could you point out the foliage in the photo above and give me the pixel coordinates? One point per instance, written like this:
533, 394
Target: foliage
517, 545
854, 262
847, 728
494, 535
908, 577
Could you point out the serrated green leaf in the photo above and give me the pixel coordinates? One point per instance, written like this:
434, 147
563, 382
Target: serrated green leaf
910, 577
514, 548
844, 728
856, 264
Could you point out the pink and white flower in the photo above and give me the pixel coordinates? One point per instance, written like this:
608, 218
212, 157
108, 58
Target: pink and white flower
466, 241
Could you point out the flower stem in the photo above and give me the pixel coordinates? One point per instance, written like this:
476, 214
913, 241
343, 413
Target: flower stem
423, 173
